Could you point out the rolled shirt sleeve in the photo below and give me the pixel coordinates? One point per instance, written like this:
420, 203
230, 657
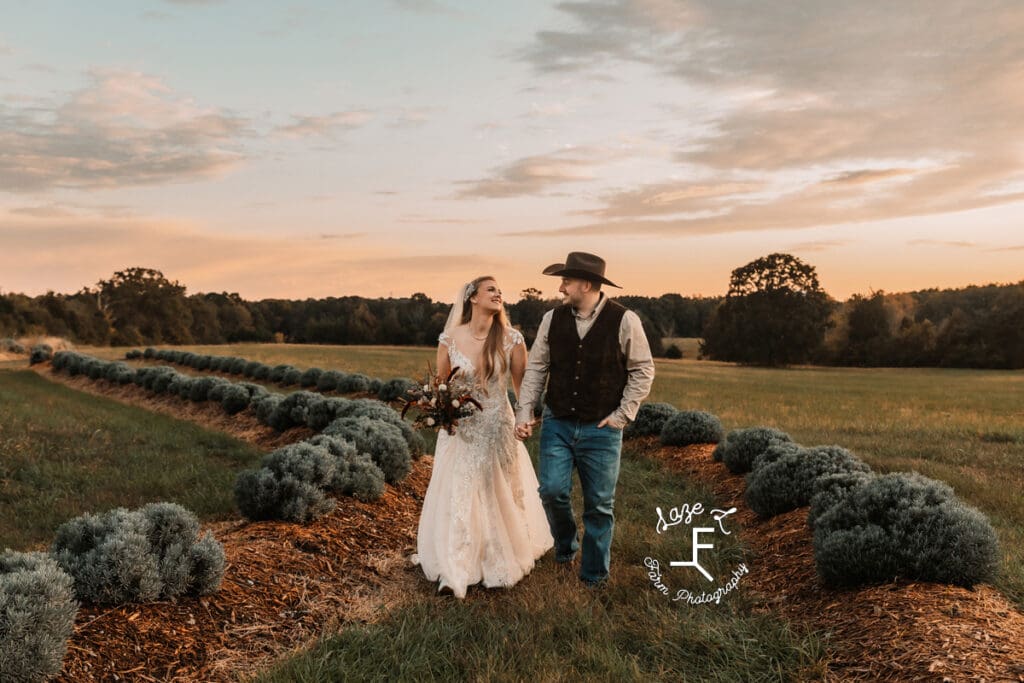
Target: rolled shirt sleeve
536, 376
639, 369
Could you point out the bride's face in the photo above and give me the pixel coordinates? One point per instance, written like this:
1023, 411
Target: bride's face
488, 296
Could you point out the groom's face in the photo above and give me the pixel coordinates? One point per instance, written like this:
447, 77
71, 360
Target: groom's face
573, 290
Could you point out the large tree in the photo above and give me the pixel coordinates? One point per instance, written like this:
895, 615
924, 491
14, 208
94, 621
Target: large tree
145, 307
775, 313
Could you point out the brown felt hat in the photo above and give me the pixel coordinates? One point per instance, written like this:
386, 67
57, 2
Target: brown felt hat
581, 265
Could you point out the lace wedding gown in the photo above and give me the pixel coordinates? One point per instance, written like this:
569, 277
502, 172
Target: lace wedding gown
482, 519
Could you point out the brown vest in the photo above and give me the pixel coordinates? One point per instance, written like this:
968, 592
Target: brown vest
587, 376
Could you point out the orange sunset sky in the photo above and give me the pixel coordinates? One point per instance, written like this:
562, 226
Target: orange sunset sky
322, 149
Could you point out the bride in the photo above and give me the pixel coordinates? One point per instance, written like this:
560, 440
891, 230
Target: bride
482, 518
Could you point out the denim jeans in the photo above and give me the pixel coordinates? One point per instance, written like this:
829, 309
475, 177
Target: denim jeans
564, 443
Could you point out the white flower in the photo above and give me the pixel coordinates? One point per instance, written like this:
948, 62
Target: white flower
426, 387
430, 422
443, 387
455, 403
433, 402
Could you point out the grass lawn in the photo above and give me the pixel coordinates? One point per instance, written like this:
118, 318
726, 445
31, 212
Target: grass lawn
64, 453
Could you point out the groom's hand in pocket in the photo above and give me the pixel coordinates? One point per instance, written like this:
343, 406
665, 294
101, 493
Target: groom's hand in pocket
612, 421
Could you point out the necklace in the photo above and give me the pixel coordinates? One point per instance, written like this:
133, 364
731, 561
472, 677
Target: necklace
478, 338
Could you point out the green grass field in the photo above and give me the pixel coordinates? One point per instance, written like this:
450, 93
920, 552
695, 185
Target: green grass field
64, 453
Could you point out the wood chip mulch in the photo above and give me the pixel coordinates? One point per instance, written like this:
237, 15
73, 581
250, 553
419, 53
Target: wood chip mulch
284, 584
901, 631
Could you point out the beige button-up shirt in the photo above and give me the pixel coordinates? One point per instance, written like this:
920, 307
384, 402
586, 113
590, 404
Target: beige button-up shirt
634, 345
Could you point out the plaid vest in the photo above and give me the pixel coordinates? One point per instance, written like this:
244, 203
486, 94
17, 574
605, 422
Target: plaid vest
586, 376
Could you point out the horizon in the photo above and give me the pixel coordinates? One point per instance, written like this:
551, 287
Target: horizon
608, 291
296, 152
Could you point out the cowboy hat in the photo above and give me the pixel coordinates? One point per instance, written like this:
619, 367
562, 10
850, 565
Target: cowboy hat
581, 265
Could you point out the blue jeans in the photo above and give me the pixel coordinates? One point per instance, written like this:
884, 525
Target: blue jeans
564, 443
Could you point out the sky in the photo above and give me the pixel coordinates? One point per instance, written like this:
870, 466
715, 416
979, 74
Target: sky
313, 149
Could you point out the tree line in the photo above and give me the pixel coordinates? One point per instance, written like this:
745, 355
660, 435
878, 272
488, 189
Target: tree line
141, 306
775, 313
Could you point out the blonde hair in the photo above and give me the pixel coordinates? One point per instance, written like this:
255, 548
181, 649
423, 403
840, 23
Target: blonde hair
494, 345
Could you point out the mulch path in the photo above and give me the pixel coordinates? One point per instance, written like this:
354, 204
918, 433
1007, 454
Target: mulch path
902, 631
286, 583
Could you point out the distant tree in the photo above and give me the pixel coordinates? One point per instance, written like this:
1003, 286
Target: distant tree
233, 316
144, 306
914, 344
1006, 326
205, 327
528, 311
86, 320
959, 342
868, 331
775, 313
654, 338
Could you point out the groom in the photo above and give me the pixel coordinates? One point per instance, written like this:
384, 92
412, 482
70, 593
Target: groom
599, 363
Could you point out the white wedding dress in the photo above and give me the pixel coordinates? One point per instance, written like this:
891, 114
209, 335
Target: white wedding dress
482, 518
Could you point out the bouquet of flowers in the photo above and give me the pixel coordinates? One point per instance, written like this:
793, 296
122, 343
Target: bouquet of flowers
441, 402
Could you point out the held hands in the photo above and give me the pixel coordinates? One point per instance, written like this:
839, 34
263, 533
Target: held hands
524, 430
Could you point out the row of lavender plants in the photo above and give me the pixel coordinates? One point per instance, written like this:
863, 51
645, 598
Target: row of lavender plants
9, 345
39, 353
360, 445
868, 528
117, 557
283, 375
155, 552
